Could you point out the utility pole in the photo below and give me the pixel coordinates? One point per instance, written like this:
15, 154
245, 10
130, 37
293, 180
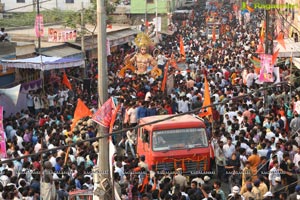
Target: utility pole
156, 21
104, 182
269, 36
39, 26
82, 40
146, 8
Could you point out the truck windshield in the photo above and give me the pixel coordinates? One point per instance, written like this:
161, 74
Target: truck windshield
179, 139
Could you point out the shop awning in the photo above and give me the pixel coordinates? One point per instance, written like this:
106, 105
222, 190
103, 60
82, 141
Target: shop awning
292, 48
121, 37
296, 62
63, 52
43, 63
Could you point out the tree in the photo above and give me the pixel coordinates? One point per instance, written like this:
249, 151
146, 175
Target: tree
90, 16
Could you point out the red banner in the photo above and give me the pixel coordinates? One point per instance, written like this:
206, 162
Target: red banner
39, 26
103, 116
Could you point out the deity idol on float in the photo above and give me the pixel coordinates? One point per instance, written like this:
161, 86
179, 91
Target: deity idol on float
142, 62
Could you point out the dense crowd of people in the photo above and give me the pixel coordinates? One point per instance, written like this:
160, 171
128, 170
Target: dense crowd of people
254, 133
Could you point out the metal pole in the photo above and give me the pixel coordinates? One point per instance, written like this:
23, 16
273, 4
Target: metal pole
103, 158
291, 72
82, 41
156, 17
146, 7
39, 25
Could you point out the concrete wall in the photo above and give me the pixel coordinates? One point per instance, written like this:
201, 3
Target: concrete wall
163, 6
30, 5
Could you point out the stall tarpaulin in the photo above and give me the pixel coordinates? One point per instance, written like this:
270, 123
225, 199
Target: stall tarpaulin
2, 136
43, 63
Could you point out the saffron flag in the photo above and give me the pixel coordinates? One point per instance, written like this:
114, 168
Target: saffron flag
262, 32
274, 57
249, 8
208, 110
66, 81
113, 118
164, 82
280, 39
260, 48
81, 111
103, 116
109, 26
145, 183
181, 47
214, 34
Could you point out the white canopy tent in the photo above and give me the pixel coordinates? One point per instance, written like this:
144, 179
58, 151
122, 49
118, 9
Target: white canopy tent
296, 62
292, 48
43, 63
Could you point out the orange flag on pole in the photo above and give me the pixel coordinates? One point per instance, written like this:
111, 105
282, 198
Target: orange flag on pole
280, 39
214, 34
274, 57
181, 47
260, 48
81, 111
262, 32
206, 111
145, 183
164, 82
113, 118
66, 81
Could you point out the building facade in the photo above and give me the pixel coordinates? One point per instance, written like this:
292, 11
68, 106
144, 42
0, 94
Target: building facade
31, 5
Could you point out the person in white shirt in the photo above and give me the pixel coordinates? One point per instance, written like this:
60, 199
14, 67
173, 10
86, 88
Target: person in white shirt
51, 98
228, 148
120, 171
132, 114
274, 173
131, 140
29, 102
297, 158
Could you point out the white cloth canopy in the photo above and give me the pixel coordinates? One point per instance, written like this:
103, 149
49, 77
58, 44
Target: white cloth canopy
292, 48
296, 62
43, 63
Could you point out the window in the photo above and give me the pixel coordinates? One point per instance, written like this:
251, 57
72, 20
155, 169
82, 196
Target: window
69, 1
179, 139
144, 135
20, 1
150, 1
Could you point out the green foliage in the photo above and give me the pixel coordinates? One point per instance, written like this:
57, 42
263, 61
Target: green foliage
27, 19
69, 18
90, 15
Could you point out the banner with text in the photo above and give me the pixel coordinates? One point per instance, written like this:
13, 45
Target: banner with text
61, 35
266, 69
39, 26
